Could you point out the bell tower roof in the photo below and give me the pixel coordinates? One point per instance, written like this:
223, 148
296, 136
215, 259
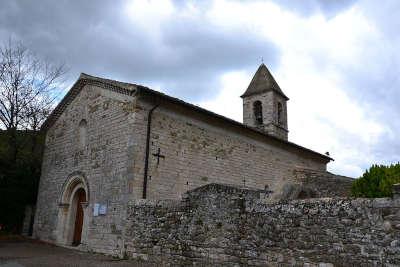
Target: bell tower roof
263, 81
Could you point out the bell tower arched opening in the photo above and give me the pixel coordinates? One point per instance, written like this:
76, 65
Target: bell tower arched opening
257, 111
265, 105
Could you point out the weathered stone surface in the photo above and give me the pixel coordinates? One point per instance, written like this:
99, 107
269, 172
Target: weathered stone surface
97, 142
218, 224
199, 151
264, 89
396, 191
103, 162
311, 183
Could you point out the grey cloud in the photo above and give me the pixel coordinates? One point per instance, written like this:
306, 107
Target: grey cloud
309, 7
374, 81
190, 53
96, 39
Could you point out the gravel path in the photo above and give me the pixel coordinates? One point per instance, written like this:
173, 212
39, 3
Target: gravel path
30, 253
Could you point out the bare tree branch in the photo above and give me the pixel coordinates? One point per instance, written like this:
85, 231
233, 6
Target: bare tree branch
28, 87
27, 84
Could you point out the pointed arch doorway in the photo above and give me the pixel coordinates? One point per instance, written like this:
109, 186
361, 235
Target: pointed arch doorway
73, 212
80, 196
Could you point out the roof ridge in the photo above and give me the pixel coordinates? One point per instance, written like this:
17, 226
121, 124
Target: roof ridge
106, 80
78, 85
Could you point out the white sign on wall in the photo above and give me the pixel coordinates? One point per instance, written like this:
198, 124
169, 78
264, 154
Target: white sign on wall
103, 209
96, 208
99, 209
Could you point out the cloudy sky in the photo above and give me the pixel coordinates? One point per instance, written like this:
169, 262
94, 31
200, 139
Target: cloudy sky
336, 60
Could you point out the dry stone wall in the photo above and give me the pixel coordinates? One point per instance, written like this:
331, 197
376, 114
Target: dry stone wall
224, 225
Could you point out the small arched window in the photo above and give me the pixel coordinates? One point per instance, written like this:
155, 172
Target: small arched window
280, 115
257, 109
83, 134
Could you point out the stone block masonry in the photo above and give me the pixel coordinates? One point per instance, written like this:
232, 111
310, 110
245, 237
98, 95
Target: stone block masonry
103, 161
100, 141
223, 225
307, 183
198, 150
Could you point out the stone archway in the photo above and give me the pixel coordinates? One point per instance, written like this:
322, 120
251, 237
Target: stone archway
73, 211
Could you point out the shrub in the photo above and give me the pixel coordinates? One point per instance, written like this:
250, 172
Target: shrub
377, 181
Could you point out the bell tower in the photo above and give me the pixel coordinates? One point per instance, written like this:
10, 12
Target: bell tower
265, 105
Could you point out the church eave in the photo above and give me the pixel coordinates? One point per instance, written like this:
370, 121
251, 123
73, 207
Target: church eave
159, 97
134, 89
246, 94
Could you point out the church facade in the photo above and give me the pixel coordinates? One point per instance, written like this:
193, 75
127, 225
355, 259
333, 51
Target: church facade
110, 142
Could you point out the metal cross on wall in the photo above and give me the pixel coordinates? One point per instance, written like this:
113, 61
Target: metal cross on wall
158, 155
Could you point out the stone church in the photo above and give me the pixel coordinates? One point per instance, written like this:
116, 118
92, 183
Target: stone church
110, 142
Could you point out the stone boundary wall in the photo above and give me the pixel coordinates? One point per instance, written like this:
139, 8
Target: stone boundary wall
223, 225
27, 224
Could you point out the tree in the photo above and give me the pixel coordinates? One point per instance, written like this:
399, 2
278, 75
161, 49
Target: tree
27, 90
377, 181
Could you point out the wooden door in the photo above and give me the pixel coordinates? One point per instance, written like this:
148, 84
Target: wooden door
79, 217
